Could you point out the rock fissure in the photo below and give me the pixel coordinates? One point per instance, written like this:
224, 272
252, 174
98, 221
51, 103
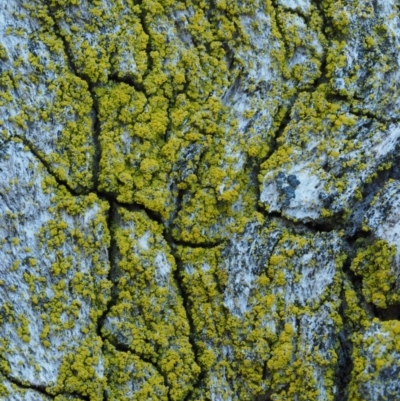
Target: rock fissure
48, 168
313, 227
127, 350
27, 386
41, 389
126, 80
345, 361
90, 88
100, 320
134, 206
96, 138
199, 21
186, 304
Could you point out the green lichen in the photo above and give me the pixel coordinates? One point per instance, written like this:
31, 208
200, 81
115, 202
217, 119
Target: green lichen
80, 373
47, 98
131, 378
170, 109
147, 315
375, 358
259, 352
60, 279
373, 263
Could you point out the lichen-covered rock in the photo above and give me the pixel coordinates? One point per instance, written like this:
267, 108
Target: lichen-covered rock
376, 357
130, 378
105, 38
325, 157
265, 314
53, 278
157, 142
378, 258
303, 34
362, 60
383, 216
199, 200
41, 99
333, 145
304, 299
221, 190
147, 316
11, 392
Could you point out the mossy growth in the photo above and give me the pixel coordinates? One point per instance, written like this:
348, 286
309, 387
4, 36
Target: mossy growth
82, 371
132, 379
374, 262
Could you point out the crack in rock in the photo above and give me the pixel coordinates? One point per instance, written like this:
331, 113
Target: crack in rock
199, 201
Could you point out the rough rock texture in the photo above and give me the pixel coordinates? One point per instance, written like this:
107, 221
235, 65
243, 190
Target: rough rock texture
147, 315
10, 392
199, 200
42, 101
318, 172
376, 371
53, 280
265, 300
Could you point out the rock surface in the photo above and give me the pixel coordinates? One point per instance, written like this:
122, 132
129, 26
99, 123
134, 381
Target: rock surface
199, 201
54, 287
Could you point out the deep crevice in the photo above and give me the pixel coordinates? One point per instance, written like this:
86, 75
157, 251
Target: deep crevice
96, 137
265, 397
194, 245
391, 312
18, 383
297, 11
345, 361
135, 207
110, 302
177, 209
47, 166
41, 389
139, 87
132, 206
126, 349
312, 226
186, 305
91, 87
